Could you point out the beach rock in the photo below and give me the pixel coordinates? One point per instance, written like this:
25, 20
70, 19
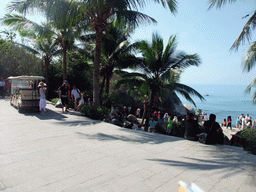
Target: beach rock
132, 118
189, 108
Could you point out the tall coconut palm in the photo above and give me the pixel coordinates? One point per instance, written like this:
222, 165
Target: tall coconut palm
99, 13
46, 48
63, 18
116, 52
156, 69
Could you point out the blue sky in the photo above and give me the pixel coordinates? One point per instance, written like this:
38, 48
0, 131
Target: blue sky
209, 33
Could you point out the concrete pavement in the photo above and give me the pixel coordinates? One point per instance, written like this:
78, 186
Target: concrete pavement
69, 152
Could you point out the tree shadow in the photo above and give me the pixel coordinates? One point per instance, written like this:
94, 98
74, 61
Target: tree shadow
220, 158
133, 136
84, 122
50, 114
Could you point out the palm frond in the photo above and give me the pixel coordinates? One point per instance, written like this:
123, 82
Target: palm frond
184, 60
249, 87
250, 58
172, 4
254, 97
218, 3
135, 18
245, 34
30, 49
130, 82
185, 91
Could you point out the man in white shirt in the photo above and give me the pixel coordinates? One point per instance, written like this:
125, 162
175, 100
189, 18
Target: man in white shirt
75, 95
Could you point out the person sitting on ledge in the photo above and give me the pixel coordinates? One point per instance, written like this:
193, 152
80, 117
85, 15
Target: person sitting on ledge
191, 128
213, 130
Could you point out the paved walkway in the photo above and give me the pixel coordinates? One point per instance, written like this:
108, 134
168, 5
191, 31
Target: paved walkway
69, 152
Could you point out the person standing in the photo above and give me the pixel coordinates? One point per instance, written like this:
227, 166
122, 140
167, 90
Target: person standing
238, 123
42, 102
138, 113
152, 125
64, 95
76, 96
243, 122
8, 87
2, 87
229, 120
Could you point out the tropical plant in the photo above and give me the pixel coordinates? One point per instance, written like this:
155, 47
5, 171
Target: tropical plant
63, 22
158, 70
15, 60
99, 14
116, 52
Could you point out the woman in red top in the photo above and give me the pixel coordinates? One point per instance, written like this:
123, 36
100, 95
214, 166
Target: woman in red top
229, 122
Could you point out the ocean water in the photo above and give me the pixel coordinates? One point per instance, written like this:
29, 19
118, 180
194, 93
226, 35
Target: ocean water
224, 100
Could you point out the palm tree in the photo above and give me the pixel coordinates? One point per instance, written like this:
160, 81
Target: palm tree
63, 19
116, 52
158, 69
47, 49
99, 13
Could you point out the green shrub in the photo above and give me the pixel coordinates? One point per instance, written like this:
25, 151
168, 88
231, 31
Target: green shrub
70, 103
54, 101
94, 112
249, 140
178, 129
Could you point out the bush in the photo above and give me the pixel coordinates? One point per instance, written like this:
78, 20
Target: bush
70, 103
178, 129
249, 140
94, 112
54, 101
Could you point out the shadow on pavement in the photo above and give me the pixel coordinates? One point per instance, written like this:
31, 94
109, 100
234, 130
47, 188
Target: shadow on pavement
222, 159
133, 136
84, 122
50, 114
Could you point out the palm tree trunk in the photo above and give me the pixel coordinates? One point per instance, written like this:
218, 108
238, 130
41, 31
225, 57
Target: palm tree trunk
64, 62
47, 64
96, 70
102, 87
107, 84
148, 114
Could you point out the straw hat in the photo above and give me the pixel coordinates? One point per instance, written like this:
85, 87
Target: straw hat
42, 84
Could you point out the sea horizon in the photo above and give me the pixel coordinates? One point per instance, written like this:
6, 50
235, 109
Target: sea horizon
223, 101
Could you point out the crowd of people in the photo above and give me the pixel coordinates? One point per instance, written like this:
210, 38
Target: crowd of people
195, 124
74, 95
241, 123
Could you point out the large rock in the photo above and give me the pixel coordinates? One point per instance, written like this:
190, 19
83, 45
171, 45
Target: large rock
174, 106
189, 109
132, 118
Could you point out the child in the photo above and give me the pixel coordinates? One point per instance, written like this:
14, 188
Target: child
229, 122
238, 123
224, 123
81, 103
152, 125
